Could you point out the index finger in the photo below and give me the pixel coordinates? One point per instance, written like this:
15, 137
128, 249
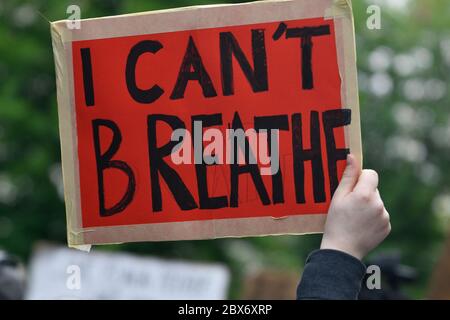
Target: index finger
367, 182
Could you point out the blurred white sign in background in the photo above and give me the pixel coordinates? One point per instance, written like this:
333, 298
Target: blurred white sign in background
62, 273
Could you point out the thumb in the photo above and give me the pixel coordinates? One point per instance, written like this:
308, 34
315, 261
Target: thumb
349, 178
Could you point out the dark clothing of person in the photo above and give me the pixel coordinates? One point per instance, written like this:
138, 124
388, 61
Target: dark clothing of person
331, 275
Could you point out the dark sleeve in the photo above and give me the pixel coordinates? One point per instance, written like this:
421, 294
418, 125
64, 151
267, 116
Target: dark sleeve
331, 275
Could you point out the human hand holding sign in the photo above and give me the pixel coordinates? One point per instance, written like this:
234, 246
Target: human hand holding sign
357, 219
357, 222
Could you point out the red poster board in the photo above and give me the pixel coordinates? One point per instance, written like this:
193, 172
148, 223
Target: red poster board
126, 83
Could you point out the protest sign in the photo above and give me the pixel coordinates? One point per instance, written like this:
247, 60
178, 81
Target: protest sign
62, 273
206, 122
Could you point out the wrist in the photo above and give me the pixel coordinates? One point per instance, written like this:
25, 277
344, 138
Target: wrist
335, 245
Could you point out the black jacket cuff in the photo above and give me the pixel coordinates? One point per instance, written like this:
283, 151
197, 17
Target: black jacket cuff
332, 275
